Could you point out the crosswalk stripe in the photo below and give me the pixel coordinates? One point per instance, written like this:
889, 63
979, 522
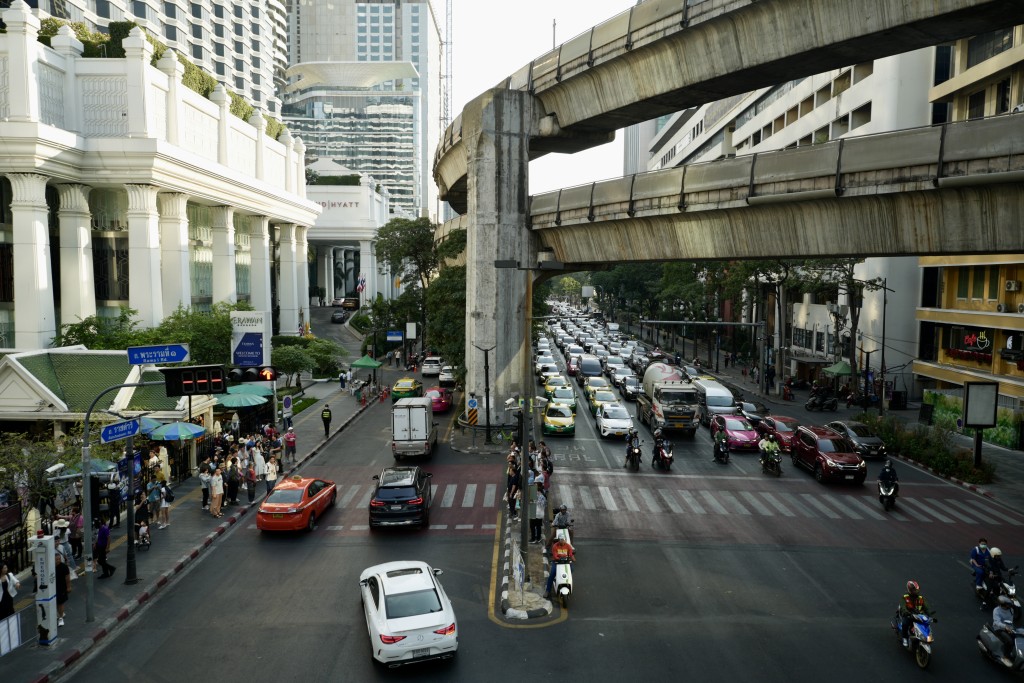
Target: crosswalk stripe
469, 497
490, 493
649, 501
895, 514
785, 511
492, 527
713, 504
449, 495
983, 517
433, 493
586, 500
360, 527
868, 510
672, 505
991, 509
795, 503
606, 496
349, 495
821, 507
840, 504
949, 510
760, 507
908, 509
463, 526
364, 502
732, 502
335, 528
927, 509
627, 498
438, 527
690, 500
565, 495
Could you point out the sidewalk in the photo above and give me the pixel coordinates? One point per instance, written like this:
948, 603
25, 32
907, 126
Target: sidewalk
191, 534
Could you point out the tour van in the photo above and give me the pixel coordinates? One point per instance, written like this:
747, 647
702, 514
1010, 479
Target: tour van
588, 366
713, 399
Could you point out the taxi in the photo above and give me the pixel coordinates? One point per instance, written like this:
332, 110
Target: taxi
566, 395
601, 397
595, 383
296, 503
407, 387
554, 383
440, 399
559, 419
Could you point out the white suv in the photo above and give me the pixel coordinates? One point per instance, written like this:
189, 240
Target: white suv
431, 366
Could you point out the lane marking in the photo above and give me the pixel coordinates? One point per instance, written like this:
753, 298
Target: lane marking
460, 527
335, 528
984, 518
586, 500
364, 502
836, 502
627, 498
892, 513
821, 507
449, 495
469, 497
758, 506
433, 493
938, 504
672, 505
994, 512
649, 501
565, 495
870, 511
713, 503
733, 502
606, 496
692, 501
438, 527
360, 527
774, 502
349, 495
916, 504
490, 493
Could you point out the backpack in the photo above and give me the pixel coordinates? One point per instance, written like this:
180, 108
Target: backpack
168, 494
549, 467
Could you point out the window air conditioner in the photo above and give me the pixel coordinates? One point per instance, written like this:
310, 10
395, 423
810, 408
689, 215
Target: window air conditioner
1013, 285
1002, 308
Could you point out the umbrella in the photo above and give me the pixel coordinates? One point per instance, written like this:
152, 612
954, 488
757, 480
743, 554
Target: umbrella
240, 400
253, 389
366, 362
176, 431
840, 368
148, 424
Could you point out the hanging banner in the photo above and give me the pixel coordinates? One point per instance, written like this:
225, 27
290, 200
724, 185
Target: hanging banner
250, 338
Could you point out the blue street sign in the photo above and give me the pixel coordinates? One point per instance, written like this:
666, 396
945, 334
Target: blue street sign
119, 430
148, 355
249, 352
394, 335
472, 404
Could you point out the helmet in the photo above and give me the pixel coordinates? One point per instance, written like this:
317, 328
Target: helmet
771, 437
564, 508
888, 464
657, 433
912, 587
995, 552
1005, 601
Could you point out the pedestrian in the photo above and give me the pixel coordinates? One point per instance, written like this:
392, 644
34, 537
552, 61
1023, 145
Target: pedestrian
164, 514
388, 357
270, 479
216, 492
250, 482
341, 380
348, 381
235, 425
77, 527
9, 586
62, 574
727, 361
204, 482
325, 415
769, 375
512, 488
234, 481
101, 548
540, 506
62, 541
289, 445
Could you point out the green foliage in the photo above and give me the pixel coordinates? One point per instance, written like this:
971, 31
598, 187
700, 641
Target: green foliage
274, 127
407, 247
291, 360
290, 340
350, 180
446, 308
360, 321
239, 107
948, 409
196, 79
23, 462
325, 354
95, 332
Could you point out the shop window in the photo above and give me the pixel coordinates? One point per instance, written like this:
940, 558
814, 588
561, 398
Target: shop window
963, 282
976, 105
978, 283
993, 283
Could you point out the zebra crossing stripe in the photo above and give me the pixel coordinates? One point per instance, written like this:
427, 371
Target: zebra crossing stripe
490, 494
821, 507
649, 501
606, 496
433, 493
461, 527
365, 501
951, 511
713, 503
840, 504
349, 495
449, 495
910, 510
991, 509
758, 506
868, 510
335, 528
925, 508
586, 500
565, 495
785, 511
690, 500
469, 497
801, 508
672, 505
360, 527
627, 498
983, 517
733, 503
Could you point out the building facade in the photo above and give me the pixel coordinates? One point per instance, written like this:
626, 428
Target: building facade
971, 311
364, 84
120, 186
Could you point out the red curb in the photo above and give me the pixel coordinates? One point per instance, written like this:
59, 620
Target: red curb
194, 554
161, 581
143, 598
179, 566
68, 659
99, 635
122, 614
43, 678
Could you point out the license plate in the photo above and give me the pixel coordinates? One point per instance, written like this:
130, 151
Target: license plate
849, 476
278, 516
396, 507
421, 653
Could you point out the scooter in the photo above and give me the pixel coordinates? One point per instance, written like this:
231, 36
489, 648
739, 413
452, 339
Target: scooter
887, 495
562, 586
994, 585
920, 639
992, 647
633, 456
721, 452
663, 457
822, 400
771, 463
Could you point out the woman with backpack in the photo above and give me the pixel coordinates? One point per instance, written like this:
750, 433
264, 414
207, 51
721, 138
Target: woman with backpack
166, 497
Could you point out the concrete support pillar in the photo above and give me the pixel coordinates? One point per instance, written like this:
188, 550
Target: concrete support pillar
288, 141
302, 269
260, 267
259, 123
329, 267
496, 130
300, 168
222, 220
366, 270
34, 324
323, 268
77, 284
145, 293
220, 97
286, 287
175, 262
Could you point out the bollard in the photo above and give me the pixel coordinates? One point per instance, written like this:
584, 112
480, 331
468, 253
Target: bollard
362, 398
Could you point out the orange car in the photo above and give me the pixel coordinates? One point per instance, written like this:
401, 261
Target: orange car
296, 503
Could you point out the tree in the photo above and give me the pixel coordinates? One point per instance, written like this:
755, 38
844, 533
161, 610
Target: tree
23, 464
407, 247
291, 360
567, 286
207, 334
446, 307
325, 354
95, 332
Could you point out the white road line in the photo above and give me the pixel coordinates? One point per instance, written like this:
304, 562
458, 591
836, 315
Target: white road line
783, 510
950, 511
866, 509
433, 493
839, 503
760, 507
993, 511
713, 503
606, 497
732, 502
910, 510
627, 498
335, 528
449, 495
795, 503
492, 527
438, 527
251, 526
360, 527
463, 526
960, 504
649, 501
919, 504
821, 507
690, 500
364, 502
469, 497
349, 495
892, 513
586, 500
490, 493
565, 495
672, 505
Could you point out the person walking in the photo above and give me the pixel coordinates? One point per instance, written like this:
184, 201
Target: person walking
325, 415
9, 586
341, 380
204, 482
62, 541
101, 548
164, 514
289, 445
216, 492
62, 574
270, 479
250, 482
234, 480
77, 527
540, 507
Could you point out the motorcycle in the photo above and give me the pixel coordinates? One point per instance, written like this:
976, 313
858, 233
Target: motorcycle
721, 452
662, 457
887, 495
771, 463
562, 586
822, 399
920, 638
994, 585
992, 647
633, 457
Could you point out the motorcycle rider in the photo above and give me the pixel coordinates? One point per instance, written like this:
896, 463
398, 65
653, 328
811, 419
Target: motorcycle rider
561, 551
913, 603
980, 558
888, 477
768, 447
561, 520
659, 443
632, 441
1002, 627
720, 443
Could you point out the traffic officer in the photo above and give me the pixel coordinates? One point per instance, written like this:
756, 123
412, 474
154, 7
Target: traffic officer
325, 415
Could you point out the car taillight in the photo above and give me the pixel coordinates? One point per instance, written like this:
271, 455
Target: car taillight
390, 640
377, 503
447, 630
415, 501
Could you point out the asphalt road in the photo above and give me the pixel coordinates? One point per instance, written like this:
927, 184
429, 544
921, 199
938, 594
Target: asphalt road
710, 571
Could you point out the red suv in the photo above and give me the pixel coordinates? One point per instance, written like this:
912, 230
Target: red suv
828, 455
781, 427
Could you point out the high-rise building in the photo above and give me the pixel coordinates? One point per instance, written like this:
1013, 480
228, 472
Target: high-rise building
240, 42
364, 91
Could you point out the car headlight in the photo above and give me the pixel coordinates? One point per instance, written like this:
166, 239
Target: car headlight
863, 465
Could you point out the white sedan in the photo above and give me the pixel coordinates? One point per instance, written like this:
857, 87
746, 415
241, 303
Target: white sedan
447, 376
613, 420
408, 615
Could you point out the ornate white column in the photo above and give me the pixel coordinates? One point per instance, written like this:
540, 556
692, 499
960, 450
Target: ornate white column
138, 52
286, 287
144, 287
300, 168
70, 47
366, 271
223, 228
34, 325
220, 97
302, 267
77, 284
23, 99
259, 123
175, 261
174, 69
327, 264
259, 270
288, 141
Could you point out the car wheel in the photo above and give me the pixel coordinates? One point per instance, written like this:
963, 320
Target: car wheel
334, 498
819, 474
426, 521
311, 523
793, 458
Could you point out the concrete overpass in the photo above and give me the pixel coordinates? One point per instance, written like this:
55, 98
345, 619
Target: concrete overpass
660, 57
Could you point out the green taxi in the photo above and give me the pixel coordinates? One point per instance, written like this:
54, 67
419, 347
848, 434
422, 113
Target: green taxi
564, 395
558, 419
407, 387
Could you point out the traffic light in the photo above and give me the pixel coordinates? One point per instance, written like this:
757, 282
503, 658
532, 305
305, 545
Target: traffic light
266, 373
195, 380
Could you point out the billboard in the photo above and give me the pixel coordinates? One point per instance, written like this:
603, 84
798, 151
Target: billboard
250, 338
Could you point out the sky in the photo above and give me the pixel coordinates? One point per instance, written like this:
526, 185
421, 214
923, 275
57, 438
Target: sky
492, 39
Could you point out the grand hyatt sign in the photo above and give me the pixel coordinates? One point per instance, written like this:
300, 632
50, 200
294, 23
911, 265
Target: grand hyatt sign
339, 205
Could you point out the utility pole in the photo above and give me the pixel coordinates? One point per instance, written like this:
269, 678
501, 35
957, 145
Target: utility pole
487, 391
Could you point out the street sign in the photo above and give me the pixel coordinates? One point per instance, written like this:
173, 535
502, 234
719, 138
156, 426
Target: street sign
471, 416
394, 335
249, 350
286, 405
250, 338
152, 355
119, 430
472, 403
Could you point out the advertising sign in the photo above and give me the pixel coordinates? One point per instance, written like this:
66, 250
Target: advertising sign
250, 338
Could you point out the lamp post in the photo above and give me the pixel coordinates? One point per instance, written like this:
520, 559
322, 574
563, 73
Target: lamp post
487, 391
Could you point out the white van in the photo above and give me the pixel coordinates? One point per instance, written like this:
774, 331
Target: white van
713, 399
413, 430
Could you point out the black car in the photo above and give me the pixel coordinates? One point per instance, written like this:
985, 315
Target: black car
630, 387
401, 498
753, 411
864, 439
339, 316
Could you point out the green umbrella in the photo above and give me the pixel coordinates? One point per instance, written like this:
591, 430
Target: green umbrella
254, 389
177, 431
367, 362
240, 400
